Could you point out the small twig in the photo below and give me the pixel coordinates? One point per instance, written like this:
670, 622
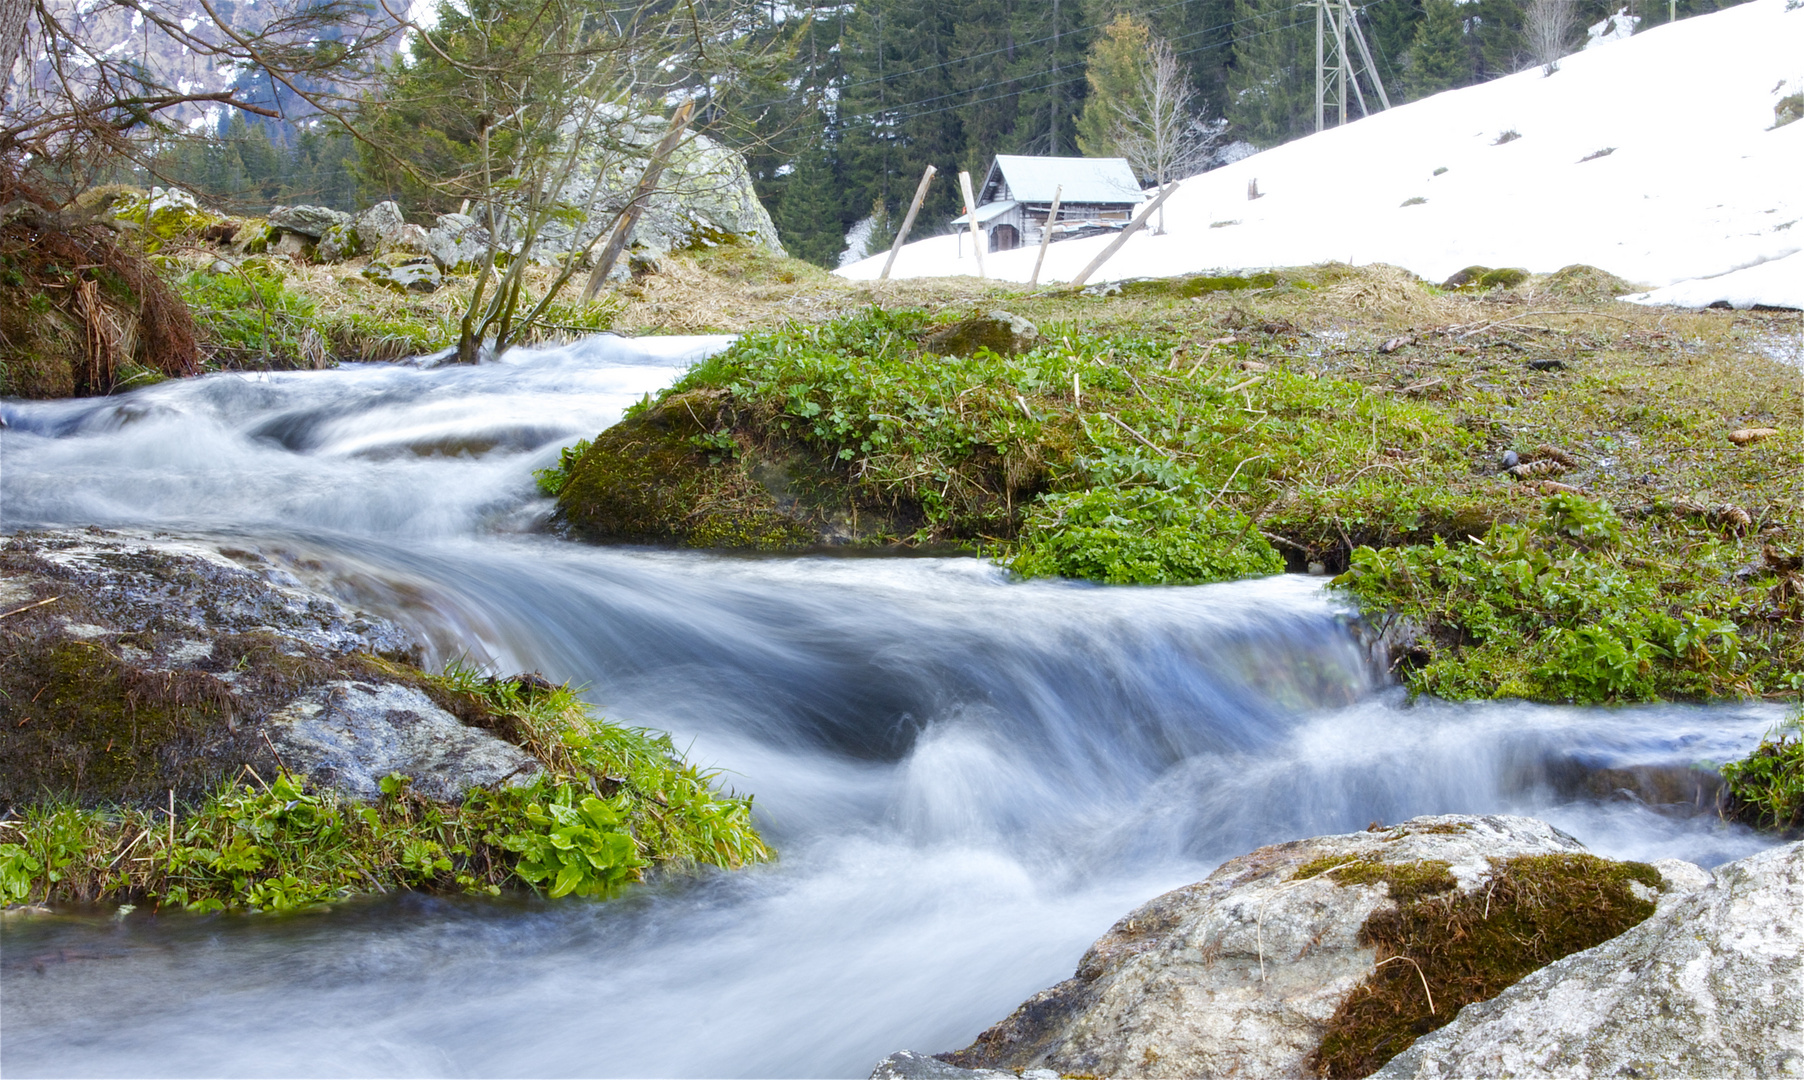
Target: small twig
1231, 476
28, 607
1137, 435
280, 764
1419, 975
1532, 314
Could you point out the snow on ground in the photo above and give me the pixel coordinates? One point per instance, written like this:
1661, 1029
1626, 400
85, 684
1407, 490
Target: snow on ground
1653, 157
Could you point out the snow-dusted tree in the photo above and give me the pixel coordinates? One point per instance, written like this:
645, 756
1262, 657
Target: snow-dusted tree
1549, 26
1156, 126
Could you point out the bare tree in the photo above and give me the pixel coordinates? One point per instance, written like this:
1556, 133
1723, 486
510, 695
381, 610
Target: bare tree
1548, 25
1157, 129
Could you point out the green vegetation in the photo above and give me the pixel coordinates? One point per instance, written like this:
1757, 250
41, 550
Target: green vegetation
615, 803
1440, 949
1206, 428
1766, 788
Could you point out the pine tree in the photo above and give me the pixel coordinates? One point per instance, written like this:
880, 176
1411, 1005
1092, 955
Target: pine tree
1438, 58
1115, 69
1391, 27
1272, 85
883, 230
808, 218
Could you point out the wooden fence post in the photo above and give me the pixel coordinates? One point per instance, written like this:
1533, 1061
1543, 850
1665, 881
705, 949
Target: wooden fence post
623, 228
1121, 238
1046, 234
907, 222
964, 182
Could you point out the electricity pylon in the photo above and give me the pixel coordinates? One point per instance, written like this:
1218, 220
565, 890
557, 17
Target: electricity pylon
1335, 22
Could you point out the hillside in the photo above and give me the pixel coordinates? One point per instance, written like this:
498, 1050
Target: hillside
1655, 158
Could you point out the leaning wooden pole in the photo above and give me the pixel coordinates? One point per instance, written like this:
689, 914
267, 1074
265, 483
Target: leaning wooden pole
1052, 217
964, 183
1121, 238
907, 222
623, 228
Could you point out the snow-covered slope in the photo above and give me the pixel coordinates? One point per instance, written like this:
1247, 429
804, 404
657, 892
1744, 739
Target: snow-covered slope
1653, 157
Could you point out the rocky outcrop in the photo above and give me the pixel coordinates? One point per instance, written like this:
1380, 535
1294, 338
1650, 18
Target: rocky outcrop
698, 471
137, 664
1709, 986
1266, 968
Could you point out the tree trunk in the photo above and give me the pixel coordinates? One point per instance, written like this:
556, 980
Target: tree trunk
12, 39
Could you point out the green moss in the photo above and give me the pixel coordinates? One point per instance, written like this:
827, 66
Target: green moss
1461, 948
1507, 278
1408, 882
650, 479
1198, 285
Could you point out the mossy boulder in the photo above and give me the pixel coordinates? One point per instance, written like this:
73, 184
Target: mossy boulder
134, 667
1001, 332
160, 216
699, 470
1481, 278
1281, 962
1789, 109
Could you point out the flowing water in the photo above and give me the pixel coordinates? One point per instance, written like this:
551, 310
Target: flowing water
968, 778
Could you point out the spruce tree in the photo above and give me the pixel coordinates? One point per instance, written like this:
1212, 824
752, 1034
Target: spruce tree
1438, 59
1272, 85
808, 218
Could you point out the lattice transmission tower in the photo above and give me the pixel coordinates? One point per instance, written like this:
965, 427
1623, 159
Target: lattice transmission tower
1336, 21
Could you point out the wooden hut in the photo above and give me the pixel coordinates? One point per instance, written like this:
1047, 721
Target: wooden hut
1099, 195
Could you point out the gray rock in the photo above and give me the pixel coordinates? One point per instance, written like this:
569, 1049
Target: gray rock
910, 1065
1709, 986
349, 735
409, 239
309, 221
379, 225
1238, 975
415, 275
339, 243
293, 246
456, 242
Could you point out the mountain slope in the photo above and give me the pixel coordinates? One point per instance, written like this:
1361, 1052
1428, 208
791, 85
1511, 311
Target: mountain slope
1653, 157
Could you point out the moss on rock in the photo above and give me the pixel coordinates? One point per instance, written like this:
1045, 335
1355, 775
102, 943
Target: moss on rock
1586, 284
1440, 949
698, 471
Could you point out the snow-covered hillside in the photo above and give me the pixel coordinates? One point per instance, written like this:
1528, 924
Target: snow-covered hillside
1653, 157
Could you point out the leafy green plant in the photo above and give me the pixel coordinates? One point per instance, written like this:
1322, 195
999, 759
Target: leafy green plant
576, 845
1139, 536
551, 480
1766, 788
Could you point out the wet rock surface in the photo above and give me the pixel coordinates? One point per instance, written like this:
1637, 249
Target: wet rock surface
137, 663
348, 735
999, 331
1242, 973
1709, 986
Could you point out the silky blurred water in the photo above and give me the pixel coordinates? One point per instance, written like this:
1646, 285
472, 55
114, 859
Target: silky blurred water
969, 778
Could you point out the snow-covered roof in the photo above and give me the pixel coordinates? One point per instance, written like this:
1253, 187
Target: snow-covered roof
987, 213
1085, 180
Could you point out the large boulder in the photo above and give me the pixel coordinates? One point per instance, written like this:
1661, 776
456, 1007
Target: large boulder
138, 664
1299, 958
456, 242
1710, 986
311, 222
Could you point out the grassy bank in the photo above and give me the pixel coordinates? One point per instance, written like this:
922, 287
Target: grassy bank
615, 804
1547, 494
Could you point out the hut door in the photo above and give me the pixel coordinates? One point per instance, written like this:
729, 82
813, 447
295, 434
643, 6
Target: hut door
1005, 238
